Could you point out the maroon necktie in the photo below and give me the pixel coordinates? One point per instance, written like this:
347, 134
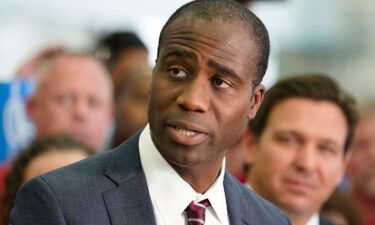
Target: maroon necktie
195, 212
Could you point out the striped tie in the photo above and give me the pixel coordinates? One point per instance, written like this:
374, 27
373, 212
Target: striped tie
195, 212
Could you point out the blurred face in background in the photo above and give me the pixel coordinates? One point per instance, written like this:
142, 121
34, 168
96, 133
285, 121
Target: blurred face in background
51, 160
128, 60
361, 168
131, 103
298, 159
74, 97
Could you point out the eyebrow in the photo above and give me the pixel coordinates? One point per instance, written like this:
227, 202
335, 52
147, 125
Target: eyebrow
224, 69
180, 54
298, 135
186, 54
289, 132
334, 143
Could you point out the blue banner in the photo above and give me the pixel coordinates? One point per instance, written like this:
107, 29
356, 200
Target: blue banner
16, 129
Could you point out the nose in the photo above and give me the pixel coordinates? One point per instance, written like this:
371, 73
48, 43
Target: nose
81, 109
194, 96
306, 159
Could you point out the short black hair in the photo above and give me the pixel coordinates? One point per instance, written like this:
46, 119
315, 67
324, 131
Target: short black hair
311, 86
243, 1
118, 42
230, 11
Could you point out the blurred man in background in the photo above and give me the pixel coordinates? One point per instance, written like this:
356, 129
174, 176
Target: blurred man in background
122, 52
131, 100
73, 96
30, 67
361, 168
299, 148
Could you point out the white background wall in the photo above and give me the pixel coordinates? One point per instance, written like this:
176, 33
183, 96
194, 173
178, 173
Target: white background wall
331, 36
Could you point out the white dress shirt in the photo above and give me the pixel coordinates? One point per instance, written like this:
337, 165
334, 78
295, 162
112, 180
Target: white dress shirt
314, 220
170, 194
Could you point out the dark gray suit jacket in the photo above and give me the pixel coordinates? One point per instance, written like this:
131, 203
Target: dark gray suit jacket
111, 188
324, 221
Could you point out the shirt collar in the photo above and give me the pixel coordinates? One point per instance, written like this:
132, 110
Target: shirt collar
314, 220
168, 190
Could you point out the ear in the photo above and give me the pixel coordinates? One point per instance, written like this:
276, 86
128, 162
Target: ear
346, 160
31, 107
256, 100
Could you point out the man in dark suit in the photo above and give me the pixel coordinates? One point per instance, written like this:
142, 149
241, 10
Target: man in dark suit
299, 145
212, 56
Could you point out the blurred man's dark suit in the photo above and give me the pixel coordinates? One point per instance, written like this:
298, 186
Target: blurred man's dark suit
324, 221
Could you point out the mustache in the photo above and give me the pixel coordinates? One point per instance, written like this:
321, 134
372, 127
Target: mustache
189, 118
301, 176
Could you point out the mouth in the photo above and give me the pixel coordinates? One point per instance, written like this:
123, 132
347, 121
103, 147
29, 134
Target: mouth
82, 134
299, 187
186, 134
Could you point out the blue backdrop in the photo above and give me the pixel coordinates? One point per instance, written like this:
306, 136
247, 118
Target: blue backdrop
16, 129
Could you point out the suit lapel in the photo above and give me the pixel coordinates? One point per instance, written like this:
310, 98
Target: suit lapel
235, 203
128, 203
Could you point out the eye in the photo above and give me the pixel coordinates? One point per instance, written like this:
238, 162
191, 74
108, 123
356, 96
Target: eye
328, 149
64, 99
286, 139
218, 82
94, 102
177, 73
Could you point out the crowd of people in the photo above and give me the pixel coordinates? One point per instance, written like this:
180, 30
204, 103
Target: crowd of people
159, 145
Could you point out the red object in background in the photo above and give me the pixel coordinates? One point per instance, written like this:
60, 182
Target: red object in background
4, 169
241, 178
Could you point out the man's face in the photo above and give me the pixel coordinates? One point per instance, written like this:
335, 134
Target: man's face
128, 60
201, 91
73, 98
299, 159
131, 106
361, 167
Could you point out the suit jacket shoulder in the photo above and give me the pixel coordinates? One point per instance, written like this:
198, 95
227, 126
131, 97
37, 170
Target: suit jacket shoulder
111, 188
56, 197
